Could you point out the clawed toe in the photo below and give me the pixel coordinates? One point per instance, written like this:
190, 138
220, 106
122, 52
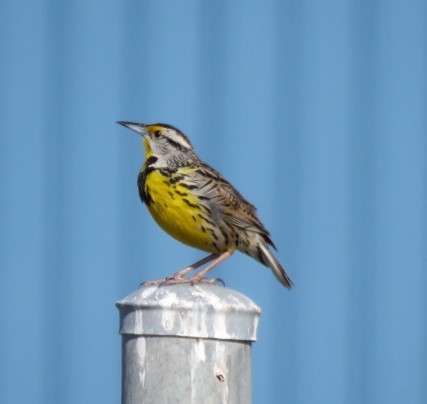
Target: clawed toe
212, 281
179, 280
158, 282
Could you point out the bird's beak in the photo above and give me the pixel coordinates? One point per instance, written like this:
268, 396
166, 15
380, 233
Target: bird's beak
136, 127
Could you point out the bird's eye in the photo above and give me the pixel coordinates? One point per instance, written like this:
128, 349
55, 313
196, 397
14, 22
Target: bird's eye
157, 134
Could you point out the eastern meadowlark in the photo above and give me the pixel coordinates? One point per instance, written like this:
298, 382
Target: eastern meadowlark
197, 206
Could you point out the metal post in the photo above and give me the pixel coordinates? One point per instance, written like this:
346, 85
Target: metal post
187, 344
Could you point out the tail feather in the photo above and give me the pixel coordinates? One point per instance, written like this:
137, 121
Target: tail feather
279, 272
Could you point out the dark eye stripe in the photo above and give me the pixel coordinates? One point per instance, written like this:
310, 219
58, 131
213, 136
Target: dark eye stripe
164, 125
177, 145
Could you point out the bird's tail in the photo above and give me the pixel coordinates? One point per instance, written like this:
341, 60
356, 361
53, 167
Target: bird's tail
270, 260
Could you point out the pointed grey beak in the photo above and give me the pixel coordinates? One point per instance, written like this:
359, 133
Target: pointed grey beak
136, 127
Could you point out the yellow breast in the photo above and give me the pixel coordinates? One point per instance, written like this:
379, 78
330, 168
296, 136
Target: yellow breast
177, 211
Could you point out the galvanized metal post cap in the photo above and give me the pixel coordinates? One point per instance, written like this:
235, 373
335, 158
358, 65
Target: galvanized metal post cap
199, 311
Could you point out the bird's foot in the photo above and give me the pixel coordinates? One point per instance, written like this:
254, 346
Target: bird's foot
212, 281
157, 282
195, 280
179, 280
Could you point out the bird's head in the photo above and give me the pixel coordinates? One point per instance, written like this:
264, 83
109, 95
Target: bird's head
165, 142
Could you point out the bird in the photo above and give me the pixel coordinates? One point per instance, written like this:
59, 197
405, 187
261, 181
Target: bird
196, 205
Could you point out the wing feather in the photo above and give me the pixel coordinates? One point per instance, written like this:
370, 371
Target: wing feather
226, 203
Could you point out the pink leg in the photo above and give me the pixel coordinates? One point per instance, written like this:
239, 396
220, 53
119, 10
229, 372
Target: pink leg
192, 267
201, 275
180, 274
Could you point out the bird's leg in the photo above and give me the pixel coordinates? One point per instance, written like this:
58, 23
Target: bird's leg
180, 274
200, 276
192, 267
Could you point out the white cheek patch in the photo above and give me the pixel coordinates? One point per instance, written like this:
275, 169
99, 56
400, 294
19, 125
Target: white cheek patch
177, 138
160, 163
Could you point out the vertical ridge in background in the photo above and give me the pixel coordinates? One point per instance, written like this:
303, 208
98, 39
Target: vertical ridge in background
21, 218
53, 141
363, 197
210, 109
134, 99
324, 140
21, 202
288, 159
400, 318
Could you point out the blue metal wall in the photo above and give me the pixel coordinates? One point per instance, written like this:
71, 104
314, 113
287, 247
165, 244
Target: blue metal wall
315, 110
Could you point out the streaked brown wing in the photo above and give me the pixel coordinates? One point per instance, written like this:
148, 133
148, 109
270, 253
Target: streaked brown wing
224, 200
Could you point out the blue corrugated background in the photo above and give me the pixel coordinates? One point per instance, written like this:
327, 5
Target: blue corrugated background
315, 110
